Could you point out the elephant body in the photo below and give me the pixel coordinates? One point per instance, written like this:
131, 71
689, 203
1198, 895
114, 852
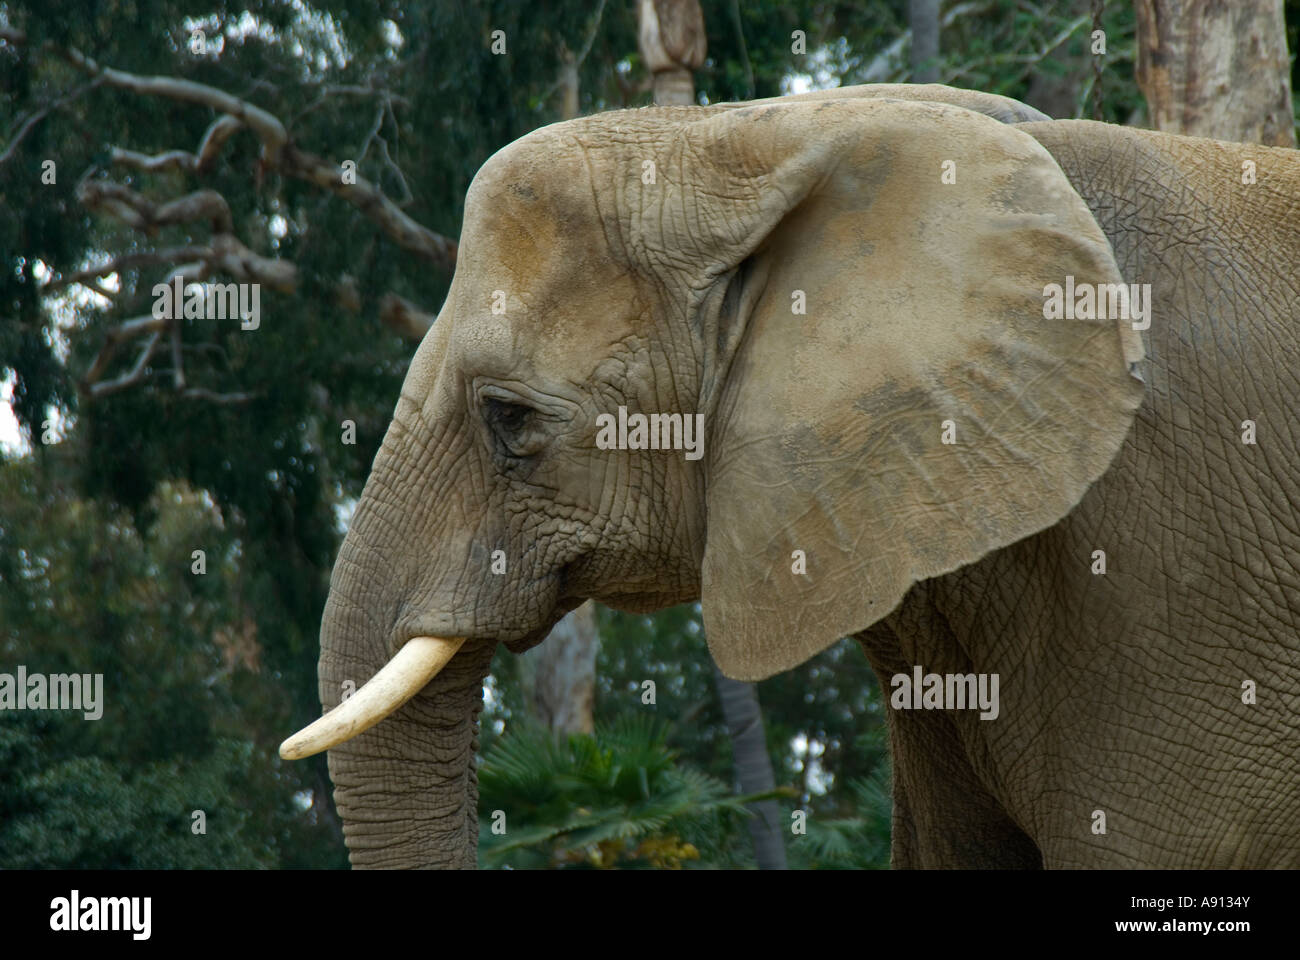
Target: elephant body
1099, 536
1133, 680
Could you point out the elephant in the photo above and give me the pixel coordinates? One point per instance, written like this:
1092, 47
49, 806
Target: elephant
898, 438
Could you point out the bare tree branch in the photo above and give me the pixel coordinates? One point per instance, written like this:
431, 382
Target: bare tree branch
109, 387
372, 202
224, 253
202, 393
339, 89
267, 127
122, 332
221, 130
180, 159
277, 150
125, 261
576, 60
201, 161
374, 131
178, 362
232, 257
136, 210
98, 288
347, 295
130, 329
404, 317
407, 196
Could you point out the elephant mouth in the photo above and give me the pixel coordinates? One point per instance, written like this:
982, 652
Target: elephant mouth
401, 678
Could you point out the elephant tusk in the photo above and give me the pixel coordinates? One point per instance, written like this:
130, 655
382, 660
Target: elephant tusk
398, 680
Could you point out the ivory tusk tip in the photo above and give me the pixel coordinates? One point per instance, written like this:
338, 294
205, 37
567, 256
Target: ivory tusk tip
290, 750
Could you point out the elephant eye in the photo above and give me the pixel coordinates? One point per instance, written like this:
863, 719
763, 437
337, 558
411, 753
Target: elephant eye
512, 424
510, 417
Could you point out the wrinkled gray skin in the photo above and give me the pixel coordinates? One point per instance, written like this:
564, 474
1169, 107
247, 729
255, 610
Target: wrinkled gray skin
1129, 685
1119, 693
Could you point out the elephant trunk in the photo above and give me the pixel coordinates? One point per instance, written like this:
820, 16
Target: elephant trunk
407, 788
402, 730
401, 711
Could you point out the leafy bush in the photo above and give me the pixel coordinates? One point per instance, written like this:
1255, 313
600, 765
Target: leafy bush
615, 799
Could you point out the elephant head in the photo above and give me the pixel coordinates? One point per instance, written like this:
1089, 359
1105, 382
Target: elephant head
831, 289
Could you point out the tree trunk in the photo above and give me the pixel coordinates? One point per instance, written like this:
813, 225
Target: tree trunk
559, 674
1215, 69
671, 36
924, 17
568, 83
1056, 91
744, 718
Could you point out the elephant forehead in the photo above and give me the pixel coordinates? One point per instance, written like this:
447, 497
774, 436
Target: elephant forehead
533, 247
537, 282
563, 324
539, 189
507, 246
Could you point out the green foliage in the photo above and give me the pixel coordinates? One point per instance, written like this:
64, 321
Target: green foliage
190, 718
87, 813
617, 799
858, 841
824, 721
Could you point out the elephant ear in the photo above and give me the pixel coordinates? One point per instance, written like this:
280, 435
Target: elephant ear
890, 401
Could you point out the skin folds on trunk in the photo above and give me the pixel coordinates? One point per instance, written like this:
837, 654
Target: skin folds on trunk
407, 789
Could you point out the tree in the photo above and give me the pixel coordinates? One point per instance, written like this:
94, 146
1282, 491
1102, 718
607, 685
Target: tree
178, 768
559, 674
924, 18
672, 41
1217, 70
219, 171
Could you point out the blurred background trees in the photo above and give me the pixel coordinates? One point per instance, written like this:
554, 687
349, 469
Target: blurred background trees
237, 442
